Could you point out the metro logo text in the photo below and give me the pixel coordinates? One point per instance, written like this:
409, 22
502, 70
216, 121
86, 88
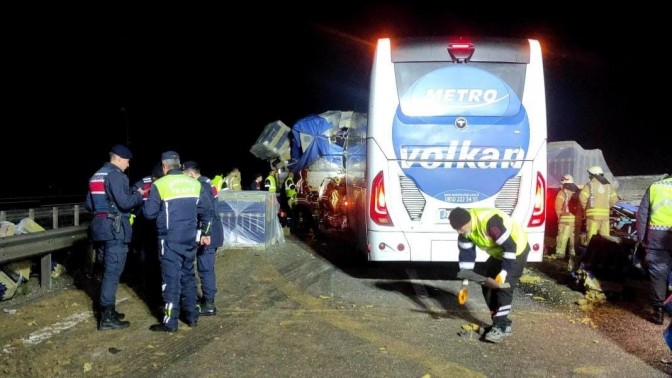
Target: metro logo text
470, 96
461, 156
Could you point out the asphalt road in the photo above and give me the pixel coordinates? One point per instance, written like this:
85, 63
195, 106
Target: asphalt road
307, 309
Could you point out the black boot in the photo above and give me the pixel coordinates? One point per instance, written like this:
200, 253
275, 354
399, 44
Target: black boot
207, 309
657, 316
108, 320
118, 315
161, 328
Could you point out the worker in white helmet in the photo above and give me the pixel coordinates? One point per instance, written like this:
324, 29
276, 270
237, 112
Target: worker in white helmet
596, 198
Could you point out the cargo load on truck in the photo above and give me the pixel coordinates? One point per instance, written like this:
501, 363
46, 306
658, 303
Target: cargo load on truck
569, 157
328, 151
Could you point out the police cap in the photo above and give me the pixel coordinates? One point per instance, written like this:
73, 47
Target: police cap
121, 151
191, 165
170, 155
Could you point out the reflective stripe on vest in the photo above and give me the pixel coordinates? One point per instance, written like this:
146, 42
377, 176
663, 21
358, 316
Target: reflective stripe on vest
598, 200
479, 227
270, 184
660, 199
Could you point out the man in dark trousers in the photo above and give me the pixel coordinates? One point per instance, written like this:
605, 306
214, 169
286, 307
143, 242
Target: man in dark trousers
654, 229
205, 255
110, 201
506, 243
183, 211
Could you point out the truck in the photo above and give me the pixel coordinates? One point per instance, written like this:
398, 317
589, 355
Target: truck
325, 150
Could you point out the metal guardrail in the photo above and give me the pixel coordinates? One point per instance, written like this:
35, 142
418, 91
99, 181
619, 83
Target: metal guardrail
36, 243
68, 213
43, 243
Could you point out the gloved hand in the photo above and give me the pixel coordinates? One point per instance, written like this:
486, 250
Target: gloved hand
463, 295
501, 277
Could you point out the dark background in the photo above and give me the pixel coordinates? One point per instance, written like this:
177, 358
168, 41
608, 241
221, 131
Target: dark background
205, 81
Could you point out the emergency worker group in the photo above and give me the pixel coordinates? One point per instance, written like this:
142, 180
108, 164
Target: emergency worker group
173, 212
178, 204
653, 228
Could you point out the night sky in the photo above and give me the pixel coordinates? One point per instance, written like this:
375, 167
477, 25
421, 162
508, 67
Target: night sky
205, 82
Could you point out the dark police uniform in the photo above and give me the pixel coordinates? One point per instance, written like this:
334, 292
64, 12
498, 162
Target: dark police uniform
179, 203
205, 255
110, 201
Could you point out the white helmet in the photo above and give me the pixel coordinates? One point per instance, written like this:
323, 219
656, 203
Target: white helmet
595, 170
567, 179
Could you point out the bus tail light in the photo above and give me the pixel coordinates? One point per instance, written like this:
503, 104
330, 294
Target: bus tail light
538, 217
377, 204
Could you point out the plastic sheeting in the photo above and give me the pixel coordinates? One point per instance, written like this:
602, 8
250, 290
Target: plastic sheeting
569, 157
250, 219
324, 138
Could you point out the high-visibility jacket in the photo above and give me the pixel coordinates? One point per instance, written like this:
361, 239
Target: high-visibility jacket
566, 206
233, 181
495, 233
271, 184
654, 216
596, 199
218, 182
290, 191
180, 205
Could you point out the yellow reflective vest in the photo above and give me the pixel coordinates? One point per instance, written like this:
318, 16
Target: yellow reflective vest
479, 232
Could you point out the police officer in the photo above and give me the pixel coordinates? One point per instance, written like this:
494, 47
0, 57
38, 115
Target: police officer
205, 255
183, 211
506, 243
144, 243
110, 201
567, 209
597, 197
654, 228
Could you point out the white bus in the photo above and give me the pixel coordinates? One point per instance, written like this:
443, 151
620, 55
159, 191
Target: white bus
452, 122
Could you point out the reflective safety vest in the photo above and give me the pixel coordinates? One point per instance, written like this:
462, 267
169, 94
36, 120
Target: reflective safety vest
660, 198
596, 199
270, 184
479, 232
180, 194
218, 182
566, 206
290, 190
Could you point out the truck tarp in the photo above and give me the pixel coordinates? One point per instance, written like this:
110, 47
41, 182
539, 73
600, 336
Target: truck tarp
569, 157
323, 138
311, 139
